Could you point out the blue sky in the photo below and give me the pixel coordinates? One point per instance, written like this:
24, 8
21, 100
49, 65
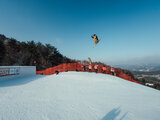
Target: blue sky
130, 29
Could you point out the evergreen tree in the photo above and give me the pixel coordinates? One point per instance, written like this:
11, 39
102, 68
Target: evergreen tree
29, 53
2, 52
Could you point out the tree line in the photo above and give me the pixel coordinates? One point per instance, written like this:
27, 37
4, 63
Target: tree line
13, 52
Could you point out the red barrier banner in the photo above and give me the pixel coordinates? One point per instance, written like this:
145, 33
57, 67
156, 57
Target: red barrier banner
80, 67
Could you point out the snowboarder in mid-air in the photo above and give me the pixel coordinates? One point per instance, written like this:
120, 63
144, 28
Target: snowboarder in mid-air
90, 61
95, 39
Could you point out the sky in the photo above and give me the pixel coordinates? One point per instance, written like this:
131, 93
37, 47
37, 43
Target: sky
130, 29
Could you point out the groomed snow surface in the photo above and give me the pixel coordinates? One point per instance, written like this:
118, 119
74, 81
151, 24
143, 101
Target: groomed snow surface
77, 96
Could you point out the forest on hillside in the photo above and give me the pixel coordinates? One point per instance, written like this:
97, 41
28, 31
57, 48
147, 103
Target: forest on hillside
13, 52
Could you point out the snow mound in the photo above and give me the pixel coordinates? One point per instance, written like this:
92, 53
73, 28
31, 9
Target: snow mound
77, 96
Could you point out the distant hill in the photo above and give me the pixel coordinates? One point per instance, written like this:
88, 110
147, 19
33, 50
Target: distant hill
141, 67
146, 73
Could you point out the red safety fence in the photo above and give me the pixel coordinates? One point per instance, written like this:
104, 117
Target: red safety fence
79, 67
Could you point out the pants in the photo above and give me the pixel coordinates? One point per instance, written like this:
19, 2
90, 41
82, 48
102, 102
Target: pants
112, 73
104, 71
96, 70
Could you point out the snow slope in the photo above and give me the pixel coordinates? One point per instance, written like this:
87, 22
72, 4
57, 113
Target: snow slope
77, 96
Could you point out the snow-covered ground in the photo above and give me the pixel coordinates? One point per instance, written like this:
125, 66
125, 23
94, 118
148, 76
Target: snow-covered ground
77, 96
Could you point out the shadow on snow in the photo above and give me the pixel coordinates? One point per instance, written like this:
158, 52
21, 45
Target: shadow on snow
113, 114
7, 82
